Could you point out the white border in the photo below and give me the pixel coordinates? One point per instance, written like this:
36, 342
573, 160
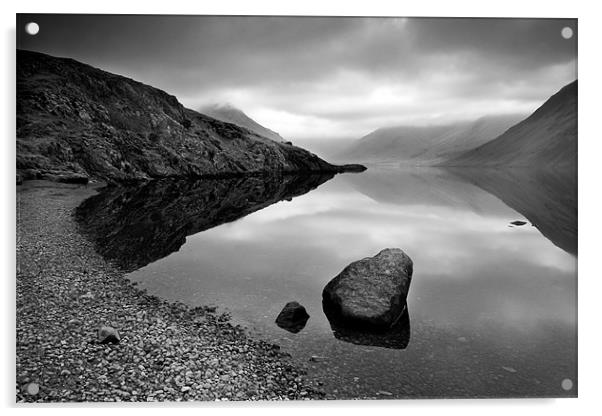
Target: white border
590, 137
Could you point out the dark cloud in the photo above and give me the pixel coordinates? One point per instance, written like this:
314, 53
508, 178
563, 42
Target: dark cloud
321, 77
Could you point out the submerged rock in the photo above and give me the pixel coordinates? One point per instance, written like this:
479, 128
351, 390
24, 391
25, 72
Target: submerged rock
395, 337
370, 292
108, 335
293, 317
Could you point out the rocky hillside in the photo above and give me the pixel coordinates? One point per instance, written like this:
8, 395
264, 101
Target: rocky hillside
231, 114
75, 121
546, 139
427, 145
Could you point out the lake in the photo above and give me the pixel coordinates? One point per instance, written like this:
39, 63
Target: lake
492, 307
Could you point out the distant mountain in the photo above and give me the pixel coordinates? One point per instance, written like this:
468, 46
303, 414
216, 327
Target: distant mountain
231, 114
427, 145
75, 121
547, 138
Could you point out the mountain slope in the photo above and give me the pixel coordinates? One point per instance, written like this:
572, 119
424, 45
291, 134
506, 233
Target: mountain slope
73, 119
230, 114
427, 144
547, 138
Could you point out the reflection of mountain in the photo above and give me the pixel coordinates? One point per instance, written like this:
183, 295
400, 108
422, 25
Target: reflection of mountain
548, 137
427, 144
422, 186
547, 198
135, 226
396, 337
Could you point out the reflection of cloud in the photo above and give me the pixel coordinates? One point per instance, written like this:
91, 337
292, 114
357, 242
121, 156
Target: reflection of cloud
471, 270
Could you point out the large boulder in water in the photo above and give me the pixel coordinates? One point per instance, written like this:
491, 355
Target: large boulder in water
371, 292
293, 317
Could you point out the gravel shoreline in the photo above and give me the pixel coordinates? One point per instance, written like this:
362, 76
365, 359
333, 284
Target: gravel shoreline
168, 351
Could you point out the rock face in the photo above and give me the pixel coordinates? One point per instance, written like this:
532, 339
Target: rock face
76, 119
108, 335
293, 317
371, 292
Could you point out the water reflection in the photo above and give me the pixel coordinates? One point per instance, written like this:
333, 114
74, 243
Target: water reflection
137, 225
484, 295
547, 198
395, 337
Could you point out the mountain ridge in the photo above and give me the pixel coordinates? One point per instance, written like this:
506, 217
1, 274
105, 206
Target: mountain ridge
545, 139
74, 120
427, 144
230, 114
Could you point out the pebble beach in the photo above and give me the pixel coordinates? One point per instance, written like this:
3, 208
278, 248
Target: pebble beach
66, 293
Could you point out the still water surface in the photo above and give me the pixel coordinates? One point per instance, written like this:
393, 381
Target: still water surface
492, 307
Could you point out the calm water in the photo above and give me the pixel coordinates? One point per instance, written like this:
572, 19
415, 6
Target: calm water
492, 307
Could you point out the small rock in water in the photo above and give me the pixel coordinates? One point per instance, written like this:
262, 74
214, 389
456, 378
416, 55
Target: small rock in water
517, 222
108, 335
509, 369
293, 317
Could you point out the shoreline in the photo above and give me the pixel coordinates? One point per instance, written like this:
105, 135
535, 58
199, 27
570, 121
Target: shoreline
168, 351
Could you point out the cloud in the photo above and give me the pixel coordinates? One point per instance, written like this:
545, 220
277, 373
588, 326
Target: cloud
327, 77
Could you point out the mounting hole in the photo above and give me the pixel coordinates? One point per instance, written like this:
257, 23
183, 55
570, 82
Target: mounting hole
566, 32
567, 384
32, 28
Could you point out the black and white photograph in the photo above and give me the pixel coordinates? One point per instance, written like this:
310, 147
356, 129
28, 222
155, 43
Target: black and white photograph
274, 208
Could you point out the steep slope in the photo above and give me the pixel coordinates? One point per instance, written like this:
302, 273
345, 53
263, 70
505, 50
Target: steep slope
230, 114
428, 144
547, 138
73, 119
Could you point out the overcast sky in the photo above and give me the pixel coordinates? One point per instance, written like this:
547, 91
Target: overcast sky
321, 78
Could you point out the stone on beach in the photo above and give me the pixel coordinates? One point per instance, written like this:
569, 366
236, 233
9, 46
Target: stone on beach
371, 292
108, 335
